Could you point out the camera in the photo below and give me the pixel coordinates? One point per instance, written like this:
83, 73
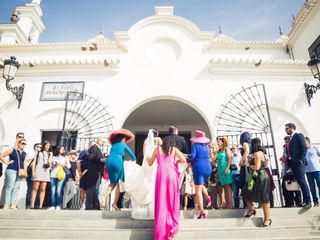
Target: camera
46, 165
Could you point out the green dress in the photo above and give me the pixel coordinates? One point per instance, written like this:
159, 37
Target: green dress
222, 160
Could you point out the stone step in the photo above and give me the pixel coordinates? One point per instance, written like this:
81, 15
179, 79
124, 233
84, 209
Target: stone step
125, 214
148, 224
288, 223
273, 232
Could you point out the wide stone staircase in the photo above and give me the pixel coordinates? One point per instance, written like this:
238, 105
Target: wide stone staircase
287, 223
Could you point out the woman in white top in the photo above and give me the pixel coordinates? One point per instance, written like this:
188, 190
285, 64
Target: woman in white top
60, 160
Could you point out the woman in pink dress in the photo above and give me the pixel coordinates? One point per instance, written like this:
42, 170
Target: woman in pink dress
167, 192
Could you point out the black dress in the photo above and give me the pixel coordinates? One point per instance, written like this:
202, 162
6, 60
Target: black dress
261, 188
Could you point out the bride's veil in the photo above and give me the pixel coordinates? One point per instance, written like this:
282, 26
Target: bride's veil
149, 144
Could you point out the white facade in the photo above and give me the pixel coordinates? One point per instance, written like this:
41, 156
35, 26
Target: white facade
163, 71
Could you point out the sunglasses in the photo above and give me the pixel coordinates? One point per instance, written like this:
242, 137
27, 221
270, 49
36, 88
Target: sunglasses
20, 136
220, 139
23, 143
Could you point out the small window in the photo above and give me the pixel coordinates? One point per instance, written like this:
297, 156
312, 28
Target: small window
314, 49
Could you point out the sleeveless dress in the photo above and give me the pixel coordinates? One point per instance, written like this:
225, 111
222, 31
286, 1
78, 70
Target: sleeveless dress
42, 174
167, 197
222, 160
260, 192
114, 162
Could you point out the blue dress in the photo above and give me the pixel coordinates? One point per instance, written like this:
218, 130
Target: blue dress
114, 162
201, 166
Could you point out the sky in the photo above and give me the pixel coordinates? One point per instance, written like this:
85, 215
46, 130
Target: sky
81, 20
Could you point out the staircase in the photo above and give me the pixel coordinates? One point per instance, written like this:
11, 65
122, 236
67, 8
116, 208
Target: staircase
287, 223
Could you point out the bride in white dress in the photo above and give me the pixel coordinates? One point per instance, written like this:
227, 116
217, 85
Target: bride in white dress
140, 180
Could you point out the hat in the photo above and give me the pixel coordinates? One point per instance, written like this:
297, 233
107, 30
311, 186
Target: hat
200, 137
73, 152
128, 135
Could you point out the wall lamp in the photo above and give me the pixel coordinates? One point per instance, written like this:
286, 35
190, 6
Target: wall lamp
314, 65
10, 68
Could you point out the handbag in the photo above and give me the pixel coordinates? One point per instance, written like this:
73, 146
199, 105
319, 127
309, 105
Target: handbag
21, 172
60, 173
233, 167
292, 185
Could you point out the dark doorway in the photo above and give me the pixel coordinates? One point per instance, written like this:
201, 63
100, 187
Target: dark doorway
141, 136
54, 138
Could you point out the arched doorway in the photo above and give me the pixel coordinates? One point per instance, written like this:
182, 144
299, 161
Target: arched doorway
162, 113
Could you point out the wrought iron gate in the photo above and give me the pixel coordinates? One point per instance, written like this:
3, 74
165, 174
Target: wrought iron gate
248, 110
85, 119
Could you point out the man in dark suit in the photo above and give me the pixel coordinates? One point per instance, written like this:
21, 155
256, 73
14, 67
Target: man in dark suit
297, 149
180, 141
95, 168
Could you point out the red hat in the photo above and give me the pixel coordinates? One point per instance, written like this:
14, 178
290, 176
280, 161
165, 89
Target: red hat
128, 135
200, 137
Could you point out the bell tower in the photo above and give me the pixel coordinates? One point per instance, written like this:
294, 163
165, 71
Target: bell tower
26, 25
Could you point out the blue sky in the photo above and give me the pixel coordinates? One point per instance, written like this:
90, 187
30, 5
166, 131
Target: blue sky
80, 20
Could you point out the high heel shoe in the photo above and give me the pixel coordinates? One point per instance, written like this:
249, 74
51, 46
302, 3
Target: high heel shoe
266, 223
115, 207
250, 213
202, 214
209, 202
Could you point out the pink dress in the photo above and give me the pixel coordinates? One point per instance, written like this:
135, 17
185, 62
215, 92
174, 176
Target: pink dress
167, 197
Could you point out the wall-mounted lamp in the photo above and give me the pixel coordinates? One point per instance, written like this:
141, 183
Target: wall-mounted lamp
10, 68
314, 65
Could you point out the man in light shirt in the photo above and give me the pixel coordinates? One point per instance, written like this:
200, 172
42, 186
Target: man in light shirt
313, 170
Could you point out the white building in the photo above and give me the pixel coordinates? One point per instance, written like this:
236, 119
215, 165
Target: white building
163, 71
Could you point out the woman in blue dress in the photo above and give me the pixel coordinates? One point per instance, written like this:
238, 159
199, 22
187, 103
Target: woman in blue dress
114, 163
201, 168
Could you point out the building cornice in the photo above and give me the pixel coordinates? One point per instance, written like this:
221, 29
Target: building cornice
105, 45
243, 44
43, 66
242, 66
8, 29
302, 16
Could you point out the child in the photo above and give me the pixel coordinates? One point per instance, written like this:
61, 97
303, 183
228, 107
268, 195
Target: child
105, 181
189, 187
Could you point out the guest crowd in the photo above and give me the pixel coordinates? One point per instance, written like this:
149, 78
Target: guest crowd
215, 175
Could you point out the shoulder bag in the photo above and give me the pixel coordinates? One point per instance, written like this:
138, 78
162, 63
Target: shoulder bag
21, 171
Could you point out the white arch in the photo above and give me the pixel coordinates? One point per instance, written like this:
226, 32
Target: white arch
175, 98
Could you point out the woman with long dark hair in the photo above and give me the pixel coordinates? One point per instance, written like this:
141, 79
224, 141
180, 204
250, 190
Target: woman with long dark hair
167, 192
59, 161
41, 173
257, 188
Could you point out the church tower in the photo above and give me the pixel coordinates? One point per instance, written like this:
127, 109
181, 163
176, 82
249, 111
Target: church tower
26, 25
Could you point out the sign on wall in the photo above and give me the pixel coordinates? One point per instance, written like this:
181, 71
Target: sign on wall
57, 91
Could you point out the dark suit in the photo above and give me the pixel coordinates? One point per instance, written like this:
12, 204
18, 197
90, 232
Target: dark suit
95, 168
180, 143
296, 160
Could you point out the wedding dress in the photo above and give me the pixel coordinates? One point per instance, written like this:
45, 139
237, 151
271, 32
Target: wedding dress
140, 182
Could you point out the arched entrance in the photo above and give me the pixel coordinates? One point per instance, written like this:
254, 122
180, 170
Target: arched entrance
162, 113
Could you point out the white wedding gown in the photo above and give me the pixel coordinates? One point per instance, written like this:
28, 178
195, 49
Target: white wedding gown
140, 183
